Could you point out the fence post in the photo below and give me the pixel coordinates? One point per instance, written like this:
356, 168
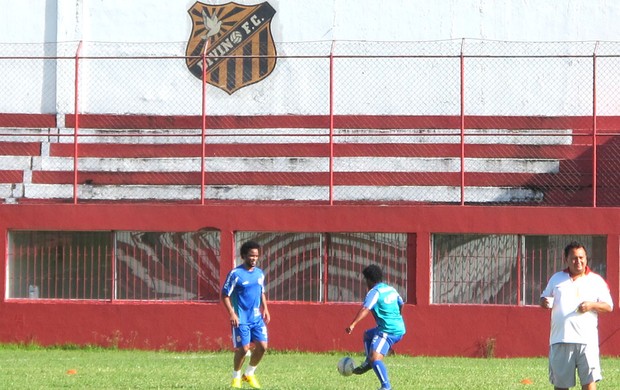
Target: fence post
204, 125
462, 93
331, 124
77, 122
594, 128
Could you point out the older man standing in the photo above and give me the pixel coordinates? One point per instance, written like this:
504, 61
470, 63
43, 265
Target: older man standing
575, 296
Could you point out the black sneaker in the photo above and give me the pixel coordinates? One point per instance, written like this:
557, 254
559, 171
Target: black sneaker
362, 368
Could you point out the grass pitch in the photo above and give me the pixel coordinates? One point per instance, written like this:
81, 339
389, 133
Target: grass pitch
92, 368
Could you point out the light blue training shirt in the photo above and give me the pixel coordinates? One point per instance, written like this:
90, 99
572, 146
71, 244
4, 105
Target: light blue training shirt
384, 303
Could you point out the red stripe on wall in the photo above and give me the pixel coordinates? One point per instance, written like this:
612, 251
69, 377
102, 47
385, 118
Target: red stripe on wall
108, 121
20, 148
27, 120
14, 176
322, 150
454, 150
104, 121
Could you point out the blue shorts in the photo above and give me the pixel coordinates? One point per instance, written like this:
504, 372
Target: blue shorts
379, 341
244, 334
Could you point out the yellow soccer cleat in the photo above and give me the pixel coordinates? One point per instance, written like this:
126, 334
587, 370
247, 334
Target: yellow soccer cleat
252, 381
236, 383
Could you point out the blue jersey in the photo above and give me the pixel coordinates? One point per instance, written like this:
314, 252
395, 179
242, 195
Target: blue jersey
384, 303
245, 289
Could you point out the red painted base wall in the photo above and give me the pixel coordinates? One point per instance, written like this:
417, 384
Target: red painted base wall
439, 330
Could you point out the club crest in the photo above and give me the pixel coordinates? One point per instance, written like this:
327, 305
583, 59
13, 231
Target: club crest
237, 38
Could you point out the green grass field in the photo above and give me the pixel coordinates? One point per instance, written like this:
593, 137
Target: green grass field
65, 368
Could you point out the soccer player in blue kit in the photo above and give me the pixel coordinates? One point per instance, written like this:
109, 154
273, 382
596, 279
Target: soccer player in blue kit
385, 304
243, 296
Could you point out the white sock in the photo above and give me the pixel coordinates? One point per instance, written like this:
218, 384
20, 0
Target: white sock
236, 374
250, 370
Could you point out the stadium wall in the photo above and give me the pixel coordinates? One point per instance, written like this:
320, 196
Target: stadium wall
437, 330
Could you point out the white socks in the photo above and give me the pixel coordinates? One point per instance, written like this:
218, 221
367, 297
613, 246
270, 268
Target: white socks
250, 370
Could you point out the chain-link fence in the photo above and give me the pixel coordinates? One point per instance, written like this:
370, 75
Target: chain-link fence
451, 122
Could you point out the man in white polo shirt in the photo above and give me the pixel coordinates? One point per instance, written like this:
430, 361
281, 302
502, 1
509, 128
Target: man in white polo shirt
575, 296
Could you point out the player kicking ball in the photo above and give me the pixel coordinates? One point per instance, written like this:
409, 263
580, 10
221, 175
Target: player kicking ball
386, 305
243, 296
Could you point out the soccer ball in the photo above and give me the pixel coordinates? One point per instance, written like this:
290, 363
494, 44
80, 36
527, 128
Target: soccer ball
346, 366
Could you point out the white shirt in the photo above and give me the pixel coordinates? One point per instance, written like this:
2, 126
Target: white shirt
567, 324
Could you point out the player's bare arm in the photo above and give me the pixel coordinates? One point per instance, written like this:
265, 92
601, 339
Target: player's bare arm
266, 315
234, 320
361, 314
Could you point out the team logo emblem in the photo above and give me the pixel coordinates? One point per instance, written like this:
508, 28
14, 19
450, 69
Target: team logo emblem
237, 38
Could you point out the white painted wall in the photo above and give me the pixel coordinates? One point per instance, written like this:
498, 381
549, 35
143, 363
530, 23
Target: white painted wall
35, 21
162, 27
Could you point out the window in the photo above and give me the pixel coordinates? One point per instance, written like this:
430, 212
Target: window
60, 265
544, 255
167, 266
502, 269
318, 267
114, 265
